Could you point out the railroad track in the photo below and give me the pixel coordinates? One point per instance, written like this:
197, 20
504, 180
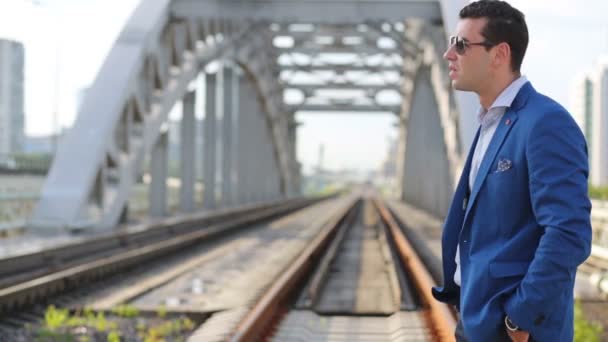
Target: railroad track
249, 284
363, 282
29, 279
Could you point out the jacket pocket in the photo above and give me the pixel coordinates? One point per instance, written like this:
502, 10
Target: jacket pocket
500, 269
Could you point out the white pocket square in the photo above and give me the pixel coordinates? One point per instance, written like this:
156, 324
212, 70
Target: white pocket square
503, 165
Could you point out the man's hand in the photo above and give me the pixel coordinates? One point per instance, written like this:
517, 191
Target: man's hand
519, 335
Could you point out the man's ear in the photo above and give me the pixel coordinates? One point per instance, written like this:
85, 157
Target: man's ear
502, 54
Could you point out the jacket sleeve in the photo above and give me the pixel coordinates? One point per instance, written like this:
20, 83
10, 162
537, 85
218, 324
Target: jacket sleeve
556, 153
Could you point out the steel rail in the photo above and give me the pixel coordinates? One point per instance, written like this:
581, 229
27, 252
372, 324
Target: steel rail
140, 250
273, 304
440, 317
259, 319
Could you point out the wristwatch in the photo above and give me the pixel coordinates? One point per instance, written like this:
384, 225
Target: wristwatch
510, 325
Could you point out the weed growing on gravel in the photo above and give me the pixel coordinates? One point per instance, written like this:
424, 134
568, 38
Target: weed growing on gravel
123, 323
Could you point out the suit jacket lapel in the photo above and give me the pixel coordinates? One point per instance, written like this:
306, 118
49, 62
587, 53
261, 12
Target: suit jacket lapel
462, 189
504, 126
467, 164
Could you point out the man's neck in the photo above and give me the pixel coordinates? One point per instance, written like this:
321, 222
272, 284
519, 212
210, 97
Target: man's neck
494, 89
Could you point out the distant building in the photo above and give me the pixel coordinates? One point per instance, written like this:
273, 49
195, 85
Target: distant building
581, 103
599, 131
12, 118
38, 144
581, 106
589, 107
389, 165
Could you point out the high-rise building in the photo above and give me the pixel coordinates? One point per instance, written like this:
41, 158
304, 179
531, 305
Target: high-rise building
12, 118
599, 130
581, 106
589, 107
581, 103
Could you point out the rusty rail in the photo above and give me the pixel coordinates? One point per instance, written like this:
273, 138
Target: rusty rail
266, 313
272, 303
136, 247
440, 317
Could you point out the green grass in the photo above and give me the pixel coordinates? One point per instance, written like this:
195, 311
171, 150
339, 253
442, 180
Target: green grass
59, 322
598, 192
585, 331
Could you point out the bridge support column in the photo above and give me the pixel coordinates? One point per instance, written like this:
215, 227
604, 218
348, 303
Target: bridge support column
187, 155
270, 165
158, 173
258, 158
425, 182
241, 129
264, 162
236, 117
247, 146
292, 127
227, 136
400, 162
236, 104
209, 165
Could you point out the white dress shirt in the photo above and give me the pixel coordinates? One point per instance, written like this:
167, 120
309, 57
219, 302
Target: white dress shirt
488, 120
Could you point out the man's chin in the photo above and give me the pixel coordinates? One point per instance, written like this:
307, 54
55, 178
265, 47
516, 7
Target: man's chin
459, 86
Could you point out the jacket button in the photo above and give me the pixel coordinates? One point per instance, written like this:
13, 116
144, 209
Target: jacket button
539, 320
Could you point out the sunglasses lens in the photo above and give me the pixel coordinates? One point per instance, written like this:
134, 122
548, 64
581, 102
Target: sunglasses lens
460, 45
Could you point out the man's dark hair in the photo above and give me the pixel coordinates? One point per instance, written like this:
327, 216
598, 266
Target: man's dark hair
505, 24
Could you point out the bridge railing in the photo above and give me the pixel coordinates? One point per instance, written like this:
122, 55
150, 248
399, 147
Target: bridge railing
599, 221
20, 192
31, 163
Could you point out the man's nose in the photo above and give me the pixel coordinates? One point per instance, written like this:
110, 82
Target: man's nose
449, 54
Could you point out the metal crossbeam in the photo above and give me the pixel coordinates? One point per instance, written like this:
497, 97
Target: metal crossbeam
167, 43
307, 88
310, 11
341, 69
370, 34
328, 49
345, 108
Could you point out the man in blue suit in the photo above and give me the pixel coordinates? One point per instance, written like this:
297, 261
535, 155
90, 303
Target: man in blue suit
519, 222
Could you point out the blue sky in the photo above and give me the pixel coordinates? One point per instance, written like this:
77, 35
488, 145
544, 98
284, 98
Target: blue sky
73, 36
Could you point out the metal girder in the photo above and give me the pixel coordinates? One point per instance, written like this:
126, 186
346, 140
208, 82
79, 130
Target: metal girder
162, 49
258, 61
307, 88
357, 66
148, 69
411, 45
320, 40
429, 92
366, 30
327, 49
341, 69
345, 108
324, 30
310, 11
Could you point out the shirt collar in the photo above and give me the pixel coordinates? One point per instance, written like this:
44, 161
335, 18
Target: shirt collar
503, 101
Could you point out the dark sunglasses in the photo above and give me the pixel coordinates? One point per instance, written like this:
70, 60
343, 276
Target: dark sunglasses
461, 44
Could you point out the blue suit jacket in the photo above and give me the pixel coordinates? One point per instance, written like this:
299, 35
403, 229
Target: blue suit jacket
524, 228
